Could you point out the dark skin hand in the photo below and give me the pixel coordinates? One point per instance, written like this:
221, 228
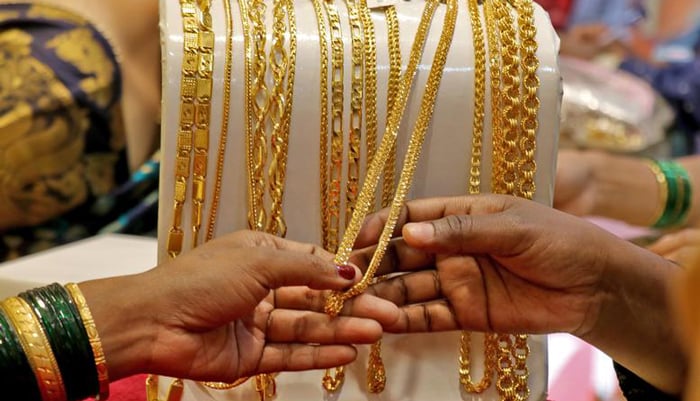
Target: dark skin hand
239, 305
495, 263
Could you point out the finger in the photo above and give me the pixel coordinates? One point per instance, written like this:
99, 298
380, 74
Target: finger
428, 317
398, 257
409, 288
249, 239
296, 357
281, 267
672, 242
364, 306
292, 326
430, 209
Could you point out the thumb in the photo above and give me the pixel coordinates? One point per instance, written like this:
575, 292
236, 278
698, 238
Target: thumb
281, 268
495, 234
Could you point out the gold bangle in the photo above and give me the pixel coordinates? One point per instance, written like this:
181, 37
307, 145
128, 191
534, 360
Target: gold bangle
663, 191
94, 337
37, 348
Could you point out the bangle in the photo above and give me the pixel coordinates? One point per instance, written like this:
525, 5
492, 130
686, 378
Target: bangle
36, 346
663, 191
94, 338
68, 339
15, 371
675, 193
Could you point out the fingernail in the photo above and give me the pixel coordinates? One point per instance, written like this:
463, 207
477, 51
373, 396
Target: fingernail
346, 271
420, 231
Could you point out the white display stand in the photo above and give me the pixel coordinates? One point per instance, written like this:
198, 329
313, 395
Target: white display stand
419, 367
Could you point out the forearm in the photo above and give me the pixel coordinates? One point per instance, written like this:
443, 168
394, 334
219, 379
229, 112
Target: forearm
634, 322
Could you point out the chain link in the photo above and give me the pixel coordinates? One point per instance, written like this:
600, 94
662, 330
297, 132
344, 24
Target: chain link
394, 44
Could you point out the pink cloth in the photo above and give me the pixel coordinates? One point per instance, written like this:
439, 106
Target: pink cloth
129, 389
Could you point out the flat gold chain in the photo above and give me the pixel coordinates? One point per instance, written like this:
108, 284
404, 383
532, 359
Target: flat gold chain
474, 187
283, 66
257, 216
332, 381
202, 115
225, 112
337, 137
510, 95
188, 90
394, 44
356, 96
323, 130
335, 301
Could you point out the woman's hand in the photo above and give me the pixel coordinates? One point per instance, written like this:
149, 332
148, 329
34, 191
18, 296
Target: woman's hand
680, 247
574, 190
501, 264
225, 311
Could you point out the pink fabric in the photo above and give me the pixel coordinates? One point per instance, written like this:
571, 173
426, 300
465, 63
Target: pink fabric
129, 389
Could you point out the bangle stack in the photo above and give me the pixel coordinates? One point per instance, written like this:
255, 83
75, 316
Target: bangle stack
49, 347
675, 193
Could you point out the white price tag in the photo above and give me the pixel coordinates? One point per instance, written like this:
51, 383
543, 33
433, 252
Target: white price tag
372, 4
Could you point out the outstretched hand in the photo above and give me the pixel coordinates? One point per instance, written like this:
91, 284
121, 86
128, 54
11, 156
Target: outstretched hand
240, 305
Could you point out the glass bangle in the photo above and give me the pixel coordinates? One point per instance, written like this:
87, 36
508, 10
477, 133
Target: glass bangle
15, 371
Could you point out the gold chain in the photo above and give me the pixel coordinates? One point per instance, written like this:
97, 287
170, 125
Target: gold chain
202, 115
335, 301
258, 101
474, 188
188, 90
370, 79
510, 95
323, 130
531, 103
282, 66
225, 110
376, 371
337, 99
494, 47
394, 44
356, 95
332, 382
479, 95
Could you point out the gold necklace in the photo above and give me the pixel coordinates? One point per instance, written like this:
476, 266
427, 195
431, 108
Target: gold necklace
202, 115
188, 90
494, 47
225, 110
474, 188
283, 69
258, 100
332, 382
323, 130
356, 95
370, 79
335, 301
510, 95
393, 41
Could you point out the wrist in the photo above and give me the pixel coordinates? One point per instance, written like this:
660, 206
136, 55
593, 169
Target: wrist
124, 320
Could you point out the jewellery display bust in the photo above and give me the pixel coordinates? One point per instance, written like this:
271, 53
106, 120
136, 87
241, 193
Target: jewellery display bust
418, 367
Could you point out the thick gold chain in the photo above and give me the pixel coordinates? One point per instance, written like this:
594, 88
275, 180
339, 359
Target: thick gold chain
257, 216
335, 301
283, 67
510, 95
531, 103
202, 115
494, 48
474, 187
356, 95
479, 95
225, 111
188, 91
332, 381
337, 100
394, 44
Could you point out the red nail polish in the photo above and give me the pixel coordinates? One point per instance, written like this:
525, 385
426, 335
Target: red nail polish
346, 271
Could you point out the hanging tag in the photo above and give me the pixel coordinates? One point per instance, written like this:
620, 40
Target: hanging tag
373, 4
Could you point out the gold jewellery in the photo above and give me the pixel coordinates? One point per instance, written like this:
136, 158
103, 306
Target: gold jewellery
356, 95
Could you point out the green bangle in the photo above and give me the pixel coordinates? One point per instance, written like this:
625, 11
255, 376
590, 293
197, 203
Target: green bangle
667, 217
15, 371
686, 193
67, 337
679, 197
